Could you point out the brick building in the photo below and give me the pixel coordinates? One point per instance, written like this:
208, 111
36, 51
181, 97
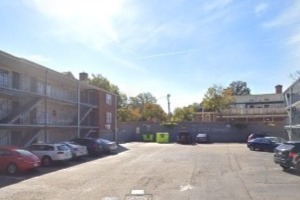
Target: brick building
40, 104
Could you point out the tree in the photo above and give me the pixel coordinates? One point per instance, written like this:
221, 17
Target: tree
127, 114
217, 98
153, 112
295, 75
183, 114
141, 99
103, 83
239, 88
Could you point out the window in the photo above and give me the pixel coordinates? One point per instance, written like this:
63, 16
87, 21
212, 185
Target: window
108, 118
108, 99
266, 106
3, 77
54, 113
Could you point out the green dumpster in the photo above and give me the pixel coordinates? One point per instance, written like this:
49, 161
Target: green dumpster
148, 137
162, 137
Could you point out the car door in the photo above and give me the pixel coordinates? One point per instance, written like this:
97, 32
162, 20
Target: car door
258, 143
266, 144
5, 158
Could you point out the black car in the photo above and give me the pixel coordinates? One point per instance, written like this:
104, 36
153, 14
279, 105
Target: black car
256, 135
287, 155
202, 138
184, 137
94, 146
263, 144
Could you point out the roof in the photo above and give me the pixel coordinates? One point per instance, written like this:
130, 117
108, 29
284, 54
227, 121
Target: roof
69, 74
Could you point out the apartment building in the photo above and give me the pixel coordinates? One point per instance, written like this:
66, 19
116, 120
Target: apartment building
262, 108
38, 104
292, 99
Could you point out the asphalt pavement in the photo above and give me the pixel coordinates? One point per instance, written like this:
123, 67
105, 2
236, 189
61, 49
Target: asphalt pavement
161, 171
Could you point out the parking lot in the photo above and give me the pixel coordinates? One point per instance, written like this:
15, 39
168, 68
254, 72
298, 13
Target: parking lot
162, 171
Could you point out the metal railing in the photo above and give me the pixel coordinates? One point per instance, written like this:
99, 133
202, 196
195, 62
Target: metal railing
25, 84
254, 111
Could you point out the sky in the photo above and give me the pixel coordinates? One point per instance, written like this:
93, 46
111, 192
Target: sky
176, 47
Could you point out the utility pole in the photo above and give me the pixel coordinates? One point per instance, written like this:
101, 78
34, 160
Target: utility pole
169, 108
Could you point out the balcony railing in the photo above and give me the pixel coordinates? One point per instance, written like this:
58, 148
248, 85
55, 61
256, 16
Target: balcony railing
254, 111
37, 87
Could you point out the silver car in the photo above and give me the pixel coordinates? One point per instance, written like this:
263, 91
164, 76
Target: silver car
78, 151
108, 146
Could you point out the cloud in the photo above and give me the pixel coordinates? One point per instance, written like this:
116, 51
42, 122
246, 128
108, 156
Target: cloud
260, 8
288, 17
81, 16
216, 5
166, 54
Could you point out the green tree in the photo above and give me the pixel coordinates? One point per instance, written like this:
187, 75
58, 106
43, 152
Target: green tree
183, 114
103, 83
239, 88
217, 98
141, 99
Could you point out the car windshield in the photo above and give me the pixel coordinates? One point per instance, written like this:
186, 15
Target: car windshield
286, 146
202, 135
62, 148
104, 141
273, 139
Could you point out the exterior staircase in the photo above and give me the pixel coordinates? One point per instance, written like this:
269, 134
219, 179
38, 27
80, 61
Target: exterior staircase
15, 116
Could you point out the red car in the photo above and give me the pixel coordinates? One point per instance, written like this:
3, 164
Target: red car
13, 160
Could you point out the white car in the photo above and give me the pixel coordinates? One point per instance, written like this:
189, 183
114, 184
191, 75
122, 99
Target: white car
49, 153
77, 150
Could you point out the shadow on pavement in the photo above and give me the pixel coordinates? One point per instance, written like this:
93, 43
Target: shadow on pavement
6, 180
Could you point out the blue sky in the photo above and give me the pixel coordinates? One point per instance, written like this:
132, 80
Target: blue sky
177, 47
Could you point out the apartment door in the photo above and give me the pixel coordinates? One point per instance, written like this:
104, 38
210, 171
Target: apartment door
15, 80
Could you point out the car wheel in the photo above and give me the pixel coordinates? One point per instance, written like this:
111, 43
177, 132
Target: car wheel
284, 167
251, 148
46, 161
12, 168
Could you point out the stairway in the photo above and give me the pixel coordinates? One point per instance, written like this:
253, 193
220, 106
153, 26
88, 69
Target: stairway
15, 116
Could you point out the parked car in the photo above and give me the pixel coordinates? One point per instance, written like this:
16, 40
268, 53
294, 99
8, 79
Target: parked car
202, 137
184, 137
13, 160
109, 146
263, 144
78, 151
49, 153
287, 155
276, 139
256, 135
93, 145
